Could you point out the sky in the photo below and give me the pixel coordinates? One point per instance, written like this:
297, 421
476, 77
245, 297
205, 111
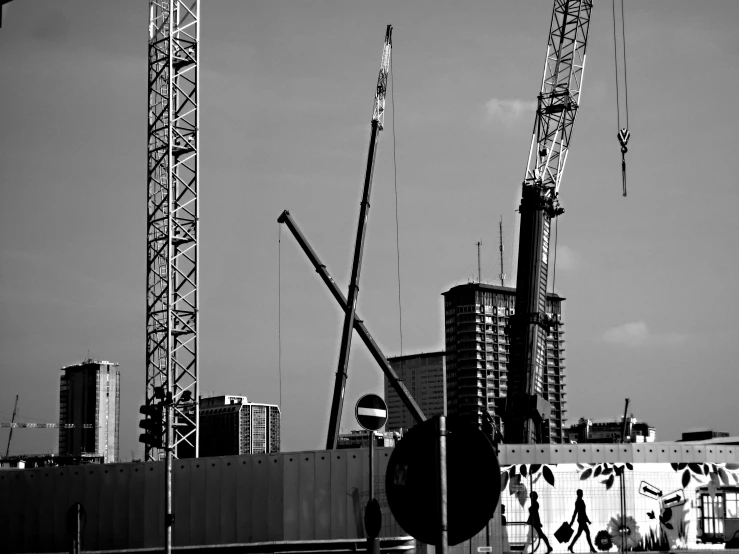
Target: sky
286, 101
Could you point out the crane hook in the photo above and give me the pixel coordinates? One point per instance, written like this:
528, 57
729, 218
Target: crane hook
623, 139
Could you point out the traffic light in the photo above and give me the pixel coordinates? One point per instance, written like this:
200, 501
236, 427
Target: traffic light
153, 425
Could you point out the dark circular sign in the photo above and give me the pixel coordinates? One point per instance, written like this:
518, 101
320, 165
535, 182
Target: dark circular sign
371, 412
473, 481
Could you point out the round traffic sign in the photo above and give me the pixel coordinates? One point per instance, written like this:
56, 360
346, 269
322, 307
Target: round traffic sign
371, 412
473, 481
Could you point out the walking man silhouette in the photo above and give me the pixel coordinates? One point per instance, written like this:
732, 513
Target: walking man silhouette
582, 521
535, 521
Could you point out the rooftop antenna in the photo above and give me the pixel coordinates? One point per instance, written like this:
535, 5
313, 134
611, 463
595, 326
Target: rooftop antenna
502, 274
479, 272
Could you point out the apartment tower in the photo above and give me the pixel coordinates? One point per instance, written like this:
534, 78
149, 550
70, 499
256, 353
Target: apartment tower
478, 354
89, 399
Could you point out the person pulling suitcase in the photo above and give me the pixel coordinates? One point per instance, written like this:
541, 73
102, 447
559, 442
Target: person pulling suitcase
582, 522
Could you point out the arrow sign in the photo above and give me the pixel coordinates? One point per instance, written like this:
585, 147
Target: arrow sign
645, 489
675, 498
371, 412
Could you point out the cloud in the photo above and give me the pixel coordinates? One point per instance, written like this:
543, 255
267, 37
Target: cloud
638, 334
508, 111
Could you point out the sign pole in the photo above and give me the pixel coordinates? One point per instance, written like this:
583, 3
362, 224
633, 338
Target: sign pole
443, 538
371, 412
373, 545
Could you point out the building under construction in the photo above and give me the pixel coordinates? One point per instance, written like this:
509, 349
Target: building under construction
90, 405
478, 350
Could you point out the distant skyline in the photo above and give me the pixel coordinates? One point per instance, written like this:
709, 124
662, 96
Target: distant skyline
287, 93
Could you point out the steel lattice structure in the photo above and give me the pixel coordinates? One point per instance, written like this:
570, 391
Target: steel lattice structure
172, 215
559, 98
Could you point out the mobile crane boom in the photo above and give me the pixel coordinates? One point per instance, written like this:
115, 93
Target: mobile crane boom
392, 377
378, 119
559, 99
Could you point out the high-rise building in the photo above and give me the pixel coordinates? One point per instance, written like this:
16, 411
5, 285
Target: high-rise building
478, 354
424, 375
230, 425
89, 398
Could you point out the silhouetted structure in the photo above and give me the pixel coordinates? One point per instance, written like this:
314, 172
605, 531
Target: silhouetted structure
89, 393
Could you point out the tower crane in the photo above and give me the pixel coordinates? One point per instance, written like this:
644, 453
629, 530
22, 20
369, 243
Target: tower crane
527, 411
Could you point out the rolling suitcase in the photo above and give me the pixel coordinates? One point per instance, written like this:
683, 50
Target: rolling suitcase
564, 533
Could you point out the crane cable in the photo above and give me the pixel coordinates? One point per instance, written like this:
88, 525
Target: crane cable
397, 226
623, 132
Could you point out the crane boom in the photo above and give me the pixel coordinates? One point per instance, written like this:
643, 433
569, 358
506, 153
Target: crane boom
392, 377
10, 435
557, 106
378, 119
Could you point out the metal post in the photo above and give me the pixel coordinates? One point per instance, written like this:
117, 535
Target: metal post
443, 542
168, 517
78, 534
373, 544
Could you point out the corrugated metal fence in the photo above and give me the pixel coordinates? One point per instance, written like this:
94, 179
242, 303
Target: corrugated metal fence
315, 495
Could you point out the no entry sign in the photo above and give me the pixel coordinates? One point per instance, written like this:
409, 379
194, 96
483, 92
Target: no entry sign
371, 412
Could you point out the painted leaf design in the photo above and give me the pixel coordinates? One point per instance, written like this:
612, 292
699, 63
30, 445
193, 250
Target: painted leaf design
681, 466
535, 480
522, 494
607, 471
714, 468
686, 478
580, 467
514, 484
674, 466
503, 480
705, 469
586, 474
523, 470
628, 465
549, 477
666, 515
724, 476
732, 466
736, 478
534, 468
668, 525
513, 471
696, 468
597, 471
609, 482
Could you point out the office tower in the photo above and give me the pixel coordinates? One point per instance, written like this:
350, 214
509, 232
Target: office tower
478, 351
89, 398
424, 375
231, 425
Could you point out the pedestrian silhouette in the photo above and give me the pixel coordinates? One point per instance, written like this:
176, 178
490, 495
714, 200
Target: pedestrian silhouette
535, 521
582, 522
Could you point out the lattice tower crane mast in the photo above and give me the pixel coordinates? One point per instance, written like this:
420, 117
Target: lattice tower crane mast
172, 221
527, 410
